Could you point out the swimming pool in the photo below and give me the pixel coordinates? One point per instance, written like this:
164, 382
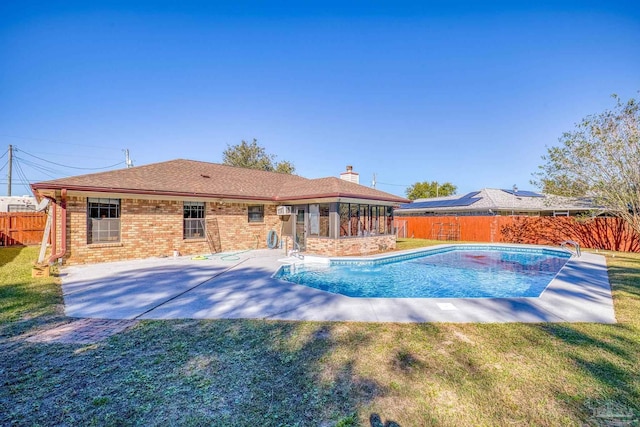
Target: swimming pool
461, 271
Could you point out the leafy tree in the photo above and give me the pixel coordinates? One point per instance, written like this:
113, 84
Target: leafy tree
423, 190
253, 156
600, 159
285, 167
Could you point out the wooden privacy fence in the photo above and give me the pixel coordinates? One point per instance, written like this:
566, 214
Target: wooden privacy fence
20, 228
595, 233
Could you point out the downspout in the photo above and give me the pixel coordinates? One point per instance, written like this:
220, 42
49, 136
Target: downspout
63, 228
54, 236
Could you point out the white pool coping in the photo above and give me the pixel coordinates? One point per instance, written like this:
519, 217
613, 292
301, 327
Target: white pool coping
178, 288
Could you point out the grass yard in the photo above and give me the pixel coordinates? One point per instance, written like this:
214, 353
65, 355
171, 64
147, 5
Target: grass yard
273, 373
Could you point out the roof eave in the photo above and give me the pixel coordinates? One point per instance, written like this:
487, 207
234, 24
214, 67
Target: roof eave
134, 191
337, 196
92, 189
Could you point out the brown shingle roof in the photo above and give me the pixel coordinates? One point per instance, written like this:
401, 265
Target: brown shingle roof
196, 178
332, 187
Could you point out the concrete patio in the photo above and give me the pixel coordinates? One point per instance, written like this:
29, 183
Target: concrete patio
241, 286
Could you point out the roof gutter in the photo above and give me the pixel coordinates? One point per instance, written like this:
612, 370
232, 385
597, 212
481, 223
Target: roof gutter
89, 189
285, 199
63, 227
281, 199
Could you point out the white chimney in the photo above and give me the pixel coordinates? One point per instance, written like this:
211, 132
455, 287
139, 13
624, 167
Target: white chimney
350, 175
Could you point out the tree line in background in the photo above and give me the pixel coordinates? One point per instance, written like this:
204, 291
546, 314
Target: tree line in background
426, 189
599, 160
252, 156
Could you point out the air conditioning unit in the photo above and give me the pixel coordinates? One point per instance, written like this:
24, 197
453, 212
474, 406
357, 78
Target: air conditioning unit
284, 210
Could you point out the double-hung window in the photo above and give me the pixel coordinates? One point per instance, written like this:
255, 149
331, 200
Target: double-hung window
256, 213
193, 220
103, 220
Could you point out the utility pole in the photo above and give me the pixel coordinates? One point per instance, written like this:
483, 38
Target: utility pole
10, 171
373, 183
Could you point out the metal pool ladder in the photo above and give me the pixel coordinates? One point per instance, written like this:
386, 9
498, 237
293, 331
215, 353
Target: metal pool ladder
295, 252
575, 245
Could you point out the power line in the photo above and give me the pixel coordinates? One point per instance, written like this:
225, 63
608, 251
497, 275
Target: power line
24, 186
13, 180
42, 166
67, 166
52, 173
395, 185
22, 175
54, 141
80, 156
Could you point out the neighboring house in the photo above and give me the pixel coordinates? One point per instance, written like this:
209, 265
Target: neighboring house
17, 204
195, 207
489, 202
492, 215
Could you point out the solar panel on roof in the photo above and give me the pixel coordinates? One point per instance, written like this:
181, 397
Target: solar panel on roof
465, 200
521, 193
472, 194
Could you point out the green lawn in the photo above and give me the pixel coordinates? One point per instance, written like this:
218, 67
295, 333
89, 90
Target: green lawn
268, 373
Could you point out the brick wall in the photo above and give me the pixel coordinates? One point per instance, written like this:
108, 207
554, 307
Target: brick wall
235, 230
153, 228
351, 246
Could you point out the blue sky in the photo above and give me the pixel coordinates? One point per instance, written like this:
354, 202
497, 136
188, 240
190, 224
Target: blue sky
466, 92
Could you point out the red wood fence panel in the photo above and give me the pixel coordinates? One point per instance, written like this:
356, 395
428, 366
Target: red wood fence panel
596, 233
21, 228
465, 228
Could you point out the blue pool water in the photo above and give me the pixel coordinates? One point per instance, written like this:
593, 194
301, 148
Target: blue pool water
455, 272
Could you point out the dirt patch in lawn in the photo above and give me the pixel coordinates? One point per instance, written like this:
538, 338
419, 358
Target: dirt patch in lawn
82, 331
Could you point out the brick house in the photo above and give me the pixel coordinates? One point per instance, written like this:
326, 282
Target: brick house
195, 207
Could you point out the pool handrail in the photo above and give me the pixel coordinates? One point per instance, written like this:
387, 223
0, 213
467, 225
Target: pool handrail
573, 243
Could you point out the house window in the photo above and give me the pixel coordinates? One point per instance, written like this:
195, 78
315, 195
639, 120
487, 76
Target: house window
319, 220
324, 220
256, 213
365, 220
193, 220
103, 220
388, 216
343, 210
